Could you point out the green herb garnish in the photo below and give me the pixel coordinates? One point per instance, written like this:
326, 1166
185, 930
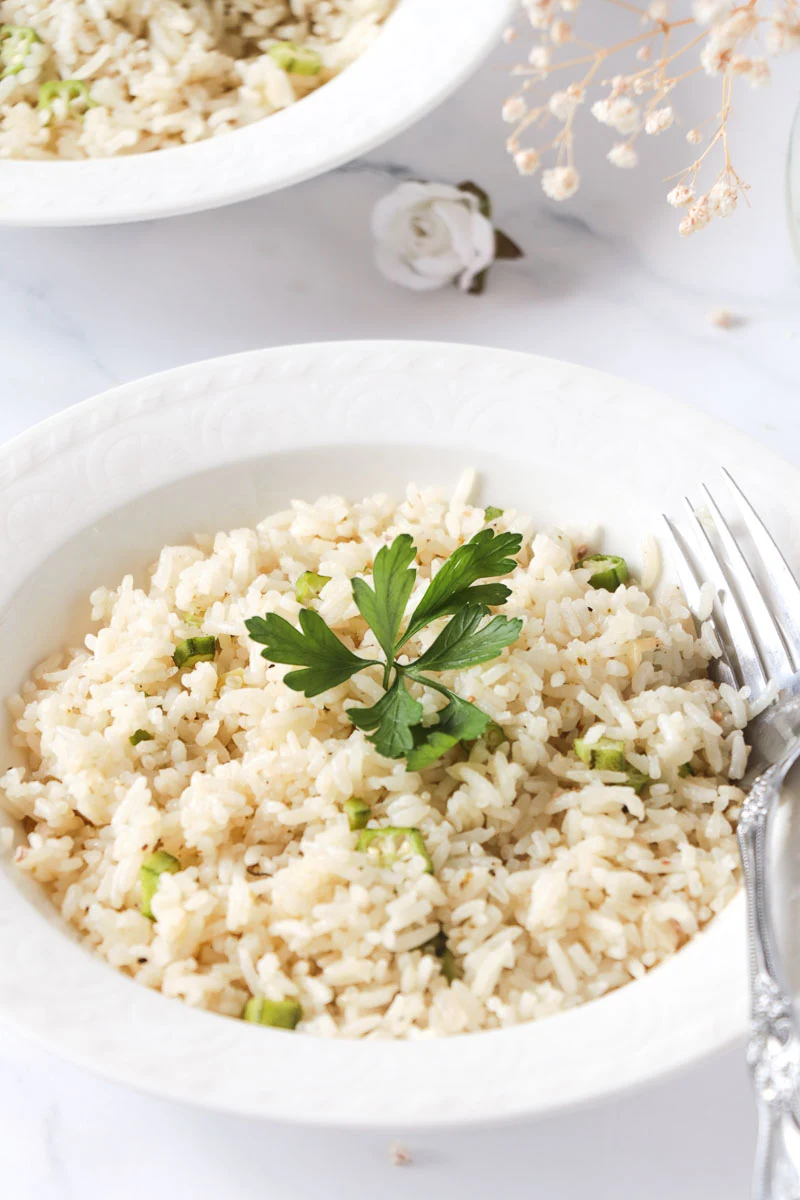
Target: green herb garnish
686, 769
450, 966
491, 513
193, 650
141, 735
15, 46
149, 877
484, 556
608, 570
459, 721
395, 721
280, 1014
309, 585
326, 661
391, 720
68, 90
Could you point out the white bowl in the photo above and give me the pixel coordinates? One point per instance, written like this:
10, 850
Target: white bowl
425, 50
97, 490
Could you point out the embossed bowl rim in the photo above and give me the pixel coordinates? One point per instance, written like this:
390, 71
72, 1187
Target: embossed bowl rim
542, 432
426, 49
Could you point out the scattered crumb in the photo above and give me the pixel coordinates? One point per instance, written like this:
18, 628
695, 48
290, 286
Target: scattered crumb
723, 318
399, 1155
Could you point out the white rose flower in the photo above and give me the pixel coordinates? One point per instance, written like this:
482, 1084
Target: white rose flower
431, 234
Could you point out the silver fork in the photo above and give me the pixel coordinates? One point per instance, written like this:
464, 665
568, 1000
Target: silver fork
756, 618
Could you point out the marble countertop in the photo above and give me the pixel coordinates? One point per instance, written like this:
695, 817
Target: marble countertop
605, 282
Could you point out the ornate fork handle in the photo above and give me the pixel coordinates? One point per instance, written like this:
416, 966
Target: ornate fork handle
773, 1050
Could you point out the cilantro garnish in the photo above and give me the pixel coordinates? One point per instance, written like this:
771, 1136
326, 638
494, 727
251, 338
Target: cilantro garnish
395, 722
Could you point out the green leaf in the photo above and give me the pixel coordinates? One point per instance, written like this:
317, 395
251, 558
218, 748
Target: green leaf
431, 744
392, 718
462, 644
506, 247
314, 646
484, 202
463, 720
451, 968
141, 735
458, 721
487, 594
478, 285
491, 512
485, 555
383, 607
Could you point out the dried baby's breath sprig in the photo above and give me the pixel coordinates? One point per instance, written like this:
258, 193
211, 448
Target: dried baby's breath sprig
726, 41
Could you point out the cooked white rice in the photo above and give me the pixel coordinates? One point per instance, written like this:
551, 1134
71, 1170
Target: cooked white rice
553, 882
165, 72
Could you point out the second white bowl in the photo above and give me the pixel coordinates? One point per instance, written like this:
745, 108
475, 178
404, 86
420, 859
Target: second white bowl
425, 50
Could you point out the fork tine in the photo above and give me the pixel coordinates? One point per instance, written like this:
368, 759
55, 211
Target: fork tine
785, 588
691, 590
745, 650
758, 615
683, 567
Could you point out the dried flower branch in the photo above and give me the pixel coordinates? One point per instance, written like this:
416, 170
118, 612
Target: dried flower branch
731, 43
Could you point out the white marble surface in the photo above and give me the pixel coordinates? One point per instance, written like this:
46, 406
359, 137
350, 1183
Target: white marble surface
606, 282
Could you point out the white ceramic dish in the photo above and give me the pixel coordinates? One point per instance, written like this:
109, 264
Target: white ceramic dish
98, 490
425, 50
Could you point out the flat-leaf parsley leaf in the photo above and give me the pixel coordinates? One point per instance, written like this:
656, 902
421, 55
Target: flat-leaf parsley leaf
485, 555
327, 661
392, 718
462, 644
395, 721
459, 721
383, 607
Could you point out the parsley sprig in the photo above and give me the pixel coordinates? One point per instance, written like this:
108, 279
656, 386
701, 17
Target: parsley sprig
395, 722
